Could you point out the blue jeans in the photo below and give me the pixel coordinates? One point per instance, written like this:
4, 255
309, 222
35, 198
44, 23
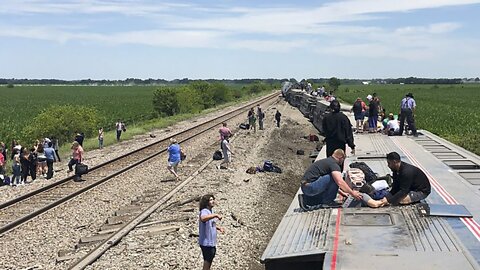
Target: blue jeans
321, 191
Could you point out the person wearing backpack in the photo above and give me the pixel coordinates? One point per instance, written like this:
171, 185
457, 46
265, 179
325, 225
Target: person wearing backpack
358, 109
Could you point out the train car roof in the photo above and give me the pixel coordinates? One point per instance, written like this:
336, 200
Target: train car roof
397, 237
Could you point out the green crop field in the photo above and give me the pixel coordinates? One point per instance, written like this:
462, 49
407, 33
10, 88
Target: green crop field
450, 111
22, 103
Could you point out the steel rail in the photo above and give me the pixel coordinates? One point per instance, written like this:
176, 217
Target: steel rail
67, 180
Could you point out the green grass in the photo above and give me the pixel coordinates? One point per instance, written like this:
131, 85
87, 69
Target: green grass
449, 111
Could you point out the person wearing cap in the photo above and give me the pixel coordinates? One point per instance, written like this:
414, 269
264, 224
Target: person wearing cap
407, 110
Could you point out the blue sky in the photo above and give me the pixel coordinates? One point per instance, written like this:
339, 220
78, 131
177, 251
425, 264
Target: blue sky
223, 39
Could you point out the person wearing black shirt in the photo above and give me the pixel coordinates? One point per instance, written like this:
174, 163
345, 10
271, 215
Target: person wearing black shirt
337, 130
322, 179
410, 184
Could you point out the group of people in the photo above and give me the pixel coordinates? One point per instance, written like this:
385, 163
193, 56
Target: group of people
29, 161
260, 115
323, 179
378, 121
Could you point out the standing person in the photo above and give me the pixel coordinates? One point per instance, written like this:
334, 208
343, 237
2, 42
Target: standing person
119, 127
359, 108
79, 138
41, 160
50, 157
207, 229
372, 114
4, 150
278, 115
174, 157
337, 130
25, 163
15, 145
33, 163
77, 155
252, 119
224, 132
261, 116
2, 164
16, 169
227, 153
100, 138
407, 110
55, 145
321, 181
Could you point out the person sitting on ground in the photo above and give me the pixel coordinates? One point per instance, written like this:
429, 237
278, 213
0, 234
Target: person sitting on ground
322, 179
410, 184
174, 157
393, 127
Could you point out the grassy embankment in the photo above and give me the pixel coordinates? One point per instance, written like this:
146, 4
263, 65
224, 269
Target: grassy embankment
449, 111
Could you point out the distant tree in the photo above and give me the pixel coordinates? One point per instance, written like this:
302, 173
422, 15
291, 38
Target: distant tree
165, 101
221, 93
257, 87
477, 79
334, 83
205, 91
10, 85
188, 101
63, 121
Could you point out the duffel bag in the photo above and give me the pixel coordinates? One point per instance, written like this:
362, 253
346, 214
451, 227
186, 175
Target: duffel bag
81, 168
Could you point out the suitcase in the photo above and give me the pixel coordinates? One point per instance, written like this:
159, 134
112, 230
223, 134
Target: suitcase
81, 168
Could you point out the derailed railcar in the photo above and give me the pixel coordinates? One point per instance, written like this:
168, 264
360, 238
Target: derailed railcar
396, 237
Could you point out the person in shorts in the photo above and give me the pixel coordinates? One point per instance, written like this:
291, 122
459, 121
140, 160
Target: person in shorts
207, 229
173, 157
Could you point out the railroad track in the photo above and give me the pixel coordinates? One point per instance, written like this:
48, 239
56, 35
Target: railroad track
16, 212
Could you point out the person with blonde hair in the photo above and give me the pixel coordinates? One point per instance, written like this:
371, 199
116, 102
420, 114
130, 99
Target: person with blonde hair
321, 181
174, 158
77, 155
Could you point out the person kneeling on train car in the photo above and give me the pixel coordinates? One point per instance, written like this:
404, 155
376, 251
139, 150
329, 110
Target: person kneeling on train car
410, 184
321, 182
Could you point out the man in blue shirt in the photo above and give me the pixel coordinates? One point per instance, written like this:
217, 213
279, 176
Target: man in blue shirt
407, 109
207, 229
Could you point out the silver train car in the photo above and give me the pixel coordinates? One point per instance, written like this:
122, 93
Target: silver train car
441, 233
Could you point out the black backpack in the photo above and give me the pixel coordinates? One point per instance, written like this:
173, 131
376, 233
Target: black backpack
370, 175
268, 166
217, 155
357, 107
